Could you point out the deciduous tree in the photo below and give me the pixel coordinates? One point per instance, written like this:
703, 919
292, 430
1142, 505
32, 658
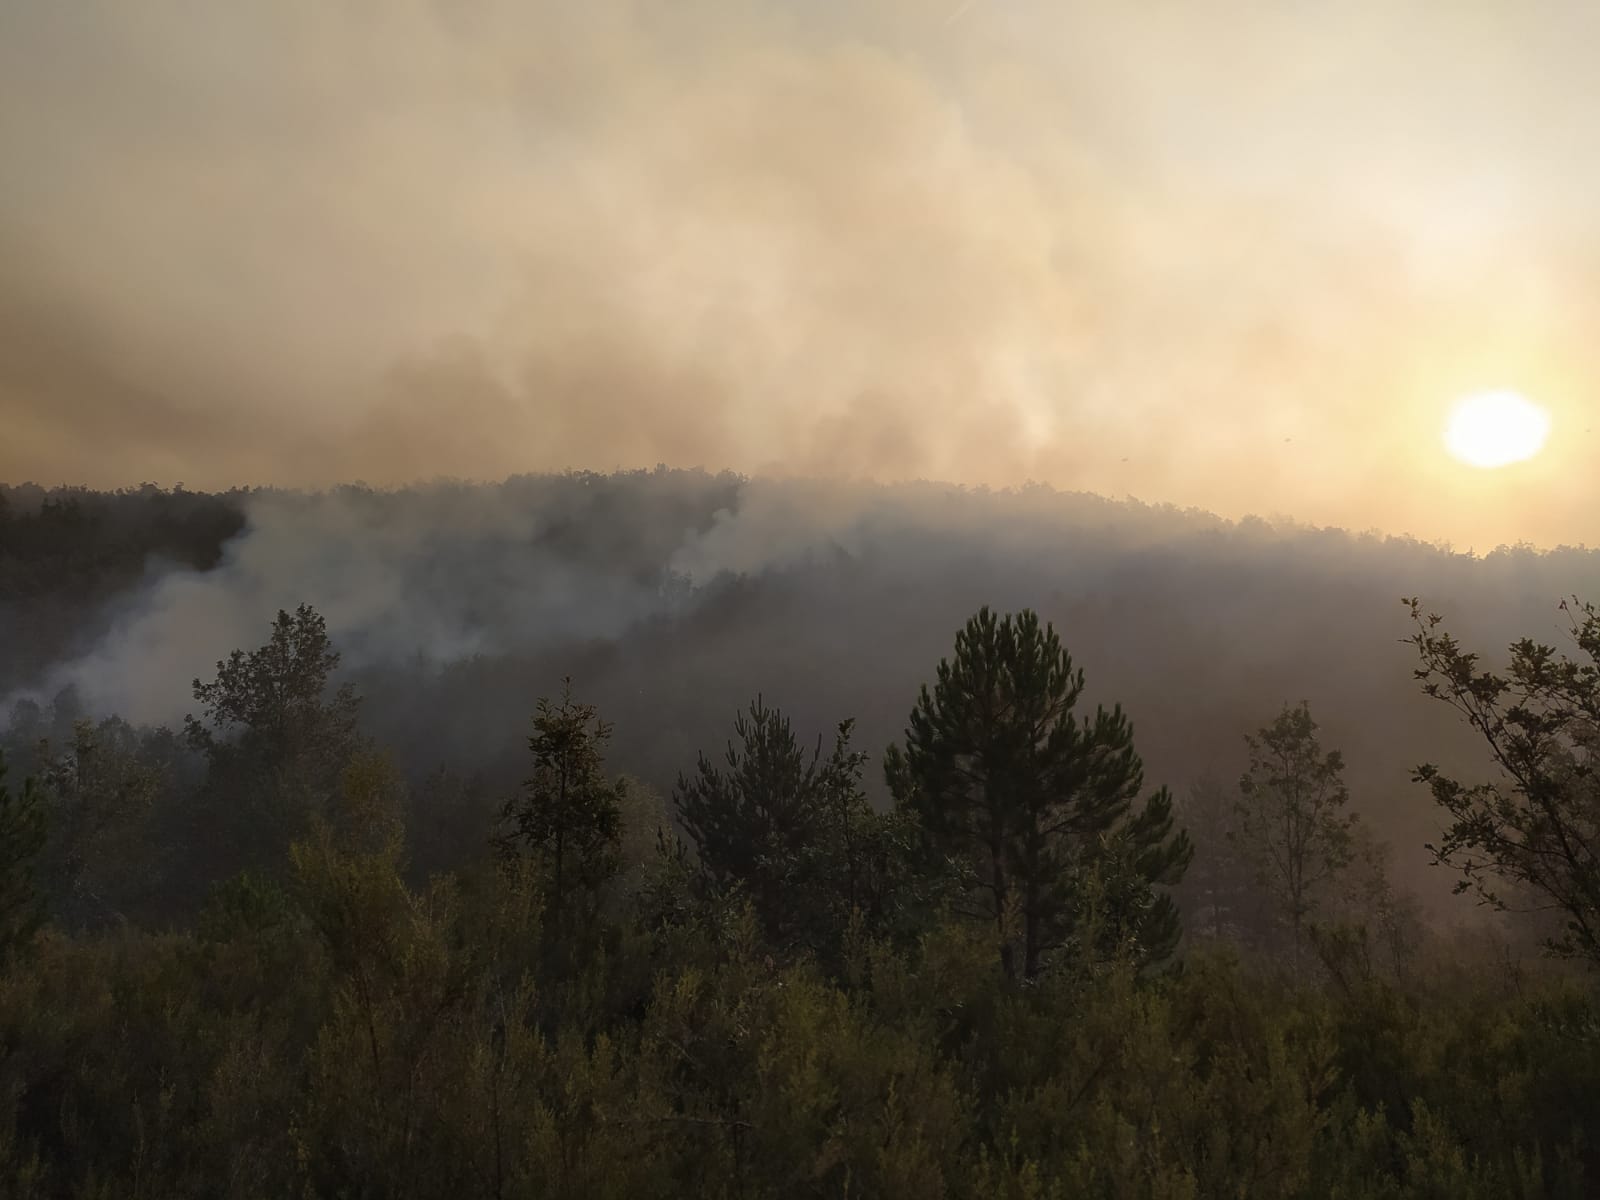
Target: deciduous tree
792, 828
1292, 821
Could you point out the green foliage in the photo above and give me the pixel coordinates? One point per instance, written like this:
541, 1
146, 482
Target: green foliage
1037, 805
102, 792
22, 837
249, 905
347, 1034
66, 553
275, 739
1538, 827
277, 695
568, 816
342, 1026
793, 831
1378, 921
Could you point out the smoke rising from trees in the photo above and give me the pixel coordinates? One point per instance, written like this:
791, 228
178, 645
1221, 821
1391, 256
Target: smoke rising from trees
674, 597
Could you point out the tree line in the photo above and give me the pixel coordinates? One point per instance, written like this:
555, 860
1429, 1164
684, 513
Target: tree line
233, 964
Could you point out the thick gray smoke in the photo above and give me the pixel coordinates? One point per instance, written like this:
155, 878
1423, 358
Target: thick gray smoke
432, 575
673, 598
437, 575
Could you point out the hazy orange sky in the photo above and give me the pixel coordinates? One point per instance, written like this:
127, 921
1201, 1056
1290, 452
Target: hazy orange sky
1241, 256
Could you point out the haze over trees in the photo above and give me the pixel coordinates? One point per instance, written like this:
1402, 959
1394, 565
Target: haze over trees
568, 816
674, 597
923, 815
1537, 827
22, 836
1293, 827
792, 833
302, 947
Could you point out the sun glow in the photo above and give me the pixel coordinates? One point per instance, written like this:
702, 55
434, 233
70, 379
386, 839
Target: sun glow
1495, 429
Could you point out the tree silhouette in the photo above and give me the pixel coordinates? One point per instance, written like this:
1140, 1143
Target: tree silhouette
1292, 823
568, 815
1538, 827
275, 738
1036, 803
22, 836
790, 827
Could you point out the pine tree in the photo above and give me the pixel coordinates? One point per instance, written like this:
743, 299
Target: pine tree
1036, 803
568, 815
275, 737
791, 828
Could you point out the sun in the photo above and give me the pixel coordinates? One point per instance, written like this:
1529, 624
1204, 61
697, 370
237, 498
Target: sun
1496, 429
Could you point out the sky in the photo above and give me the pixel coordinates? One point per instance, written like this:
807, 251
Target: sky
1236, 256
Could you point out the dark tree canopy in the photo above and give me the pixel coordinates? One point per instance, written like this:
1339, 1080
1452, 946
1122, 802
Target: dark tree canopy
790, 828
568, 816
278, 695
1537, 827
66, 552
101, 789
1038, 804
276, 735
22, 836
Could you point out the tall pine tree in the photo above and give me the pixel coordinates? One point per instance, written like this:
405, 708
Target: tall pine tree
1037, 804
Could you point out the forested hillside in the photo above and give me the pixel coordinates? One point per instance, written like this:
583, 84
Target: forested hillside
673, 597
673, 834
